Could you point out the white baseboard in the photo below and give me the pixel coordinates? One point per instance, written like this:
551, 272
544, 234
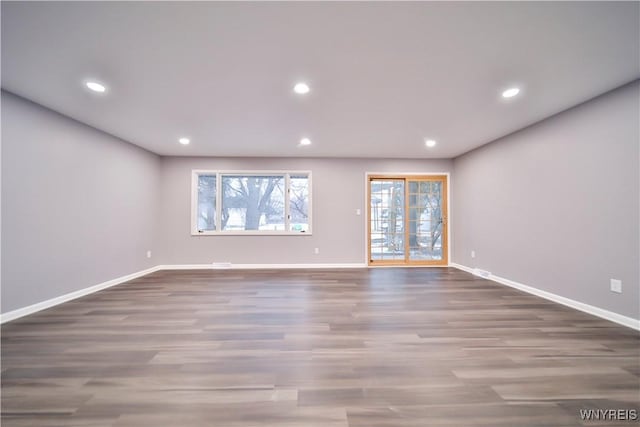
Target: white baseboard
24, 311
255, 266
30, 309
596, 311
599, 312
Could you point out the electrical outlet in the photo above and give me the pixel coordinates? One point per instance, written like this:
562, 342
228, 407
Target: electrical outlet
473, 254
316, 251
148, 254
358, 211
616, 286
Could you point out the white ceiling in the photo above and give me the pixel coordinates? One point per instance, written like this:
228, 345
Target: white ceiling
384, 76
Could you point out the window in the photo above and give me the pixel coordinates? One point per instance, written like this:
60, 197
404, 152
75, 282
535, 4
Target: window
251, 203
207, 202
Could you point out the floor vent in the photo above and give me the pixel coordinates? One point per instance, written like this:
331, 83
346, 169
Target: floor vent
220, 265
481, 273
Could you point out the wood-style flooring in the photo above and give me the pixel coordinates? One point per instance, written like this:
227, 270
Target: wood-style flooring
385, 347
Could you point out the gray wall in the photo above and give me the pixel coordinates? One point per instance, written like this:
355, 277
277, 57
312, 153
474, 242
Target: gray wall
338, 190
555, 206
79, 207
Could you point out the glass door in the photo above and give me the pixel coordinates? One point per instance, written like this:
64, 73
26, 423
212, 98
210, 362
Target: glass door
426, 219
386, 220
407, 220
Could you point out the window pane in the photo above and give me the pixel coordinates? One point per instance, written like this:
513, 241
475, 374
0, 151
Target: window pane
206, 202
253, 202
387, 224
425, 232
299, 203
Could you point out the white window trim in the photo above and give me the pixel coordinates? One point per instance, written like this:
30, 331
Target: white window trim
195, 173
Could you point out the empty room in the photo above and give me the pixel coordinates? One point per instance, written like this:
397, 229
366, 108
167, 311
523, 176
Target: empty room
320, 214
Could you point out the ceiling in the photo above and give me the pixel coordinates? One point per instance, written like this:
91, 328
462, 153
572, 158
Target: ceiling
384, 76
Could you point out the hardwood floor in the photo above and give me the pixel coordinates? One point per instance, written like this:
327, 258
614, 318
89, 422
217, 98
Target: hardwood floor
361, 348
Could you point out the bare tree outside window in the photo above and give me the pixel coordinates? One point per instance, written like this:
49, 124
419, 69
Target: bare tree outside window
252, 202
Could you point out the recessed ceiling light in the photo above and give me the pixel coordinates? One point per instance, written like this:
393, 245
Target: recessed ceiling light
511, 92
184, 141
430, 143
305, 141
301, 88
95, 86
